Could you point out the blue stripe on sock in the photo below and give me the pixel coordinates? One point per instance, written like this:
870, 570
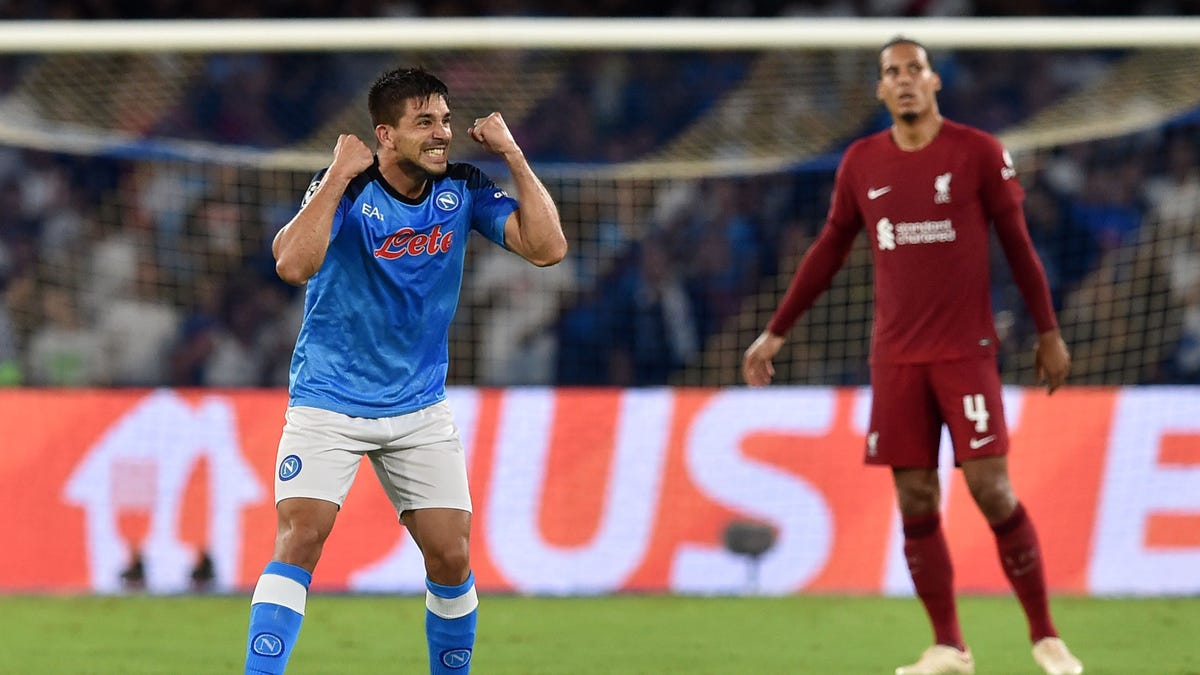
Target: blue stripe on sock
297, 574
450, 592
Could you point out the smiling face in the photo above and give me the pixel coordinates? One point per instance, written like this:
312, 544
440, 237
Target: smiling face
420, 140
907, 84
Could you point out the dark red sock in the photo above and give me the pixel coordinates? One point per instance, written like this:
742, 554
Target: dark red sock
933, 576
1021, 558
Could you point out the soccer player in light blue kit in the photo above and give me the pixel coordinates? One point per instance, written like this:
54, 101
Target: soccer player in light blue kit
380, 239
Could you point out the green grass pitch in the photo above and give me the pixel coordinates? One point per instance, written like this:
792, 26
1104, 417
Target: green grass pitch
621, 635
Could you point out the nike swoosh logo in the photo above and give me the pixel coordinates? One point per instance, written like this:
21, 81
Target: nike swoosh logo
876, 193
977, 443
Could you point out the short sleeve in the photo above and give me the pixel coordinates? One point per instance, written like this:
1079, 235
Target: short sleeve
491, 206
341, 209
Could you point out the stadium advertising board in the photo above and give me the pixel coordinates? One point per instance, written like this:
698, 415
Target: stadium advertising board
598, 491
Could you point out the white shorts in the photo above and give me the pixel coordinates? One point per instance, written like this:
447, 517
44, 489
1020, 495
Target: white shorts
417, 457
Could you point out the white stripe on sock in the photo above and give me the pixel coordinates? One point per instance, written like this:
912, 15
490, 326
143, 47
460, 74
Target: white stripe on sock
452, 608
280, 590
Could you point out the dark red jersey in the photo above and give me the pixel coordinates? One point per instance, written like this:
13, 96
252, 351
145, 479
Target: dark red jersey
928, 215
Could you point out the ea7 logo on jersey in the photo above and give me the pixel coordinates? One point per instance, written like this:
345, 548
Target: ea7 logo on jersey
371, 212
407, 241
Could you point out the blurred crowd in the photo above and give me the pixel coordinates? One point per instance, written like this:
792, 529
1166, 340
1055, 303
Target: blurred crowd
121, 272
209, 9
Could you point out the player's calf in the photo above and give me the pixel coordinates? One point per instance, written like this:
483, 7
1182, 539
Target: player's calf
451, 613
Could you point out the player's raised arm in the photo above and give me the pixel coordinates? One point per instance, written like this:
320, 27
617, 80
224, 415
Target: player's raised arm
299, 248
533, 231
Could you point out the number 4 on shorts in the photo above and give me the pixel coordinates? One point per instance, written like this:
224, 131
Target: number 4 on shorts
975, 408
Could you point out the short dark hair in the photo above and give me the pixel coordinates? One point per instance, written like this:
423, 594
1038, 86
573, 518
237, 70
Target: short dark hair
902, 40
389, 95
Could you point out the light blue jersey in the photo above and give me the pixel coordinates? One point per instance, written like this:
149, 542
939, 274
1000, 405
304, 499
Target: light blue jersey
377, 313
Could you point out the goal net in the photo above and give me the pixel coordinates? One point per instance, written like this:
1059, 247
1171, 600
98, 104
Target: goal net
143, 183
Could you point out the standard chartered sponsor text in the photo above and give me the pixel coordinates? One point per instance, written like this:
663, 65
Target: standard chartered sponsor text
925, 232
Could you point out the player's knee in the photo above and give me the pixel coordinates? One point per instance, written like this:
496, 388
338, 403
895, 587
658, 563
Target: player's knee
299, 543
994, 498
448, 563
918, 497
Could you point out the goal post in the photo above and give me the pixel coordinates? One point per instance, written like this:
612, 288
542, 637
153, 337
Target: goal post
705, 147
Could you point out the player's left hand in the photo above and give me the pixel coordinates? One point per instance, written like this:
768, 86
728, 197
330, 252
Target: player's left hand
492, 133
1052, 360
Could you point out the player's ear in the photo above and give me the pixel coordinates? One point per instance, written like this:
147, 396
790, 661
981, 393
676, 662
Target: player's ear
937, 82
879, 90
383, 134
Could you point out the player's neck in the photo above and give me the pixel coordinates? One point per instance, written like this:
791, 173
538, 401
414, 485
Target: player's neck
411, 184
914, 135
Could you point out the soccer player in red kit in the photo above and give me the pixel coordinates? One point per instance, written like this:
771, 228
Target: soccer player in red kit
927, 191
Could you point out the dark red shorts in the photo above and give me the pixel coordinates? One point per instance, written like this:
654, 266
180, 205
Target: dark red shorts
911, 402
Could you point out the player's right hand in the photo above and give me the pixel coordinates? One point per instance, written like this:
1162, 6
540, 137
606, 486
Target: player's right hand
757, 369
350, 156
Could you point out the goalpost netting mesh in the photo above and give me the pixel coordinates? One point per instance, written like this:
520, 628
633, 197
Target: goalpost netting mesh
142, 190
